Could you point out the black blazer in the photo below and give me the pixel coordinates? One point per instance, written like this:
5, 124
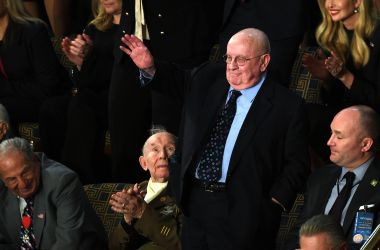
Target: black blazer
31, 65
277, 18
366, 86
180, 31
318, 193
270, 157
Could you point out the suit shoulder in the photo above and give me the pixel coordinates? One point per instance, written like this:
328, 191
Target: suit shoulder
323, 172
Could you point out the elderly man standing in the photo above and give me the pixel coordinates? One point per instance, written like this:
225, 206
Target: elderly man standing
242, 150
353, 180
42, 203
151, 221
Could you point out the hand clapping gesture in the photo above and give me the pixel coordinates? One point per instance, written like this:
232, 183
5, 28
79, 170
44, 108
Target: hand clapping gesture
76, 49
129, 202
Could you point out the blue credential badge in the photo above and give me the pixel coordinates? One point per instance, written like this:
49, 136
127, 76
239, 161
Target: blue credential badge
363, 225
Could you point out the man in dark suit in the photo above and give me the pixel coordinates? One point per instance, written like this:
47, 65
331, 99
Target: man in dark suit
61, 216
355, 132
283, 22
235, 200
179, 31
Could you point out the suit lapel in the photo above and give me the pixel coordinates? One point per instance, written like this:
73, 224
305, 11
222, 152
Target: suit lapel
255, 116
363, 194
39, 216
207, 115
327, 184
13, 217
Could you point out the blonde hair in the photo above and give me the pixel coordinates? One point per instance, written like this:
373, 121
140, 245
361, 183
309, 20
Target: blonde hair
332, 36
102, 20
17, 13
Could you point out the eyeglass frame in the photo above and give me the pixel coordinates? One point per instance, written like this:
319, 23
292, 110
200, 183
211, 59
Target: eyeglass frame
225, 57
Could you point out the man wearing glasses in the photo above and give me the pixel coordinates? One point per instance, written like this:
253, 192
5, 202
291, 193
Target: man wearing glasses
242, 154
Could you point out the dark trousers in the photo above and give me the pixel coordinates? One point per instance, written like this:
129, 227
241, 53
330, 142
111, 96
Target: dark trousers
206, 225
83, 149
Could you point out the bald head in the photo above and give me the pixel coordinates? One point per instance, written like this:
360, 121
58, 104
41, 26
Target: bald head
254, 38
354, 135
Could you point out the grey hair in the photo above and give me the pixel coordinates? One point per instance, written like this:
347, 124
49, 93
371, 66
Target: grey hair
17, 144
155, 130
4, 117
324, 224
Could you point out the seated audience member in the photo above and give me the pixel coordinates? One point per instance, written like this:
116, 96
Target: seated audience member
341, 188
150, 221
5, 130
29, 69
42, 203
322, 232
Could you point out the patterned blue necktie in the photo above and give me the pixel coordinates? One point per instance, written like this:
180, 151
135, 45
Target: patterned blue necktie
210, 164
28, 242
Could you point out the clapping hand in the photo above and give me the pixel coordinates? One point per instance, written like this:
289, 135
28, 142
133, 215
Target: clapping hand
316, 65
129, 202
334, 65
76, 49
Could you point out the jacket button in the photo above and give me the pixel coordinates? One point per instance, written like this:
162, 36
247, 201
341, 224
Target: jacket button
126, 13
162, 33
159, 15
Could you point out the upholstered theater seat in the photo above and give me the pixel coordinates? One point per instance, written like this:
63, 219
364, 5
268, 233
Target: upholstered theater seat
99, 195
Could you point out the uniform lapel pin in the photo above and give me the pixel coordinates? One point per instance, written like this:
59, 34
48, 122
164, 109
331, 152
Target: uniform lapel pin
374, 182
40, 216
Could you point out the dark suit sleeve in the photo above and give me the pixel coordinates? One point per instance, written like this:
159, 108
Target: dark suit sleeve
295, 159
5, 243
365, 92
39, 74
69, 198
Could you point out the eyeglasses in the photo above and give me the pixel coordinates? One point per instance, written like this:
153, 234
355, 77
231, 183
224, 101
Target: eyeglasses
240, 60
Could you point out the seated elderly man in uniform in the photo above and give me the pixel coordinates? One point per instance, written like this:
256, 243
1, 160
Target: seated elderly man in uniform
42, 203
151, 218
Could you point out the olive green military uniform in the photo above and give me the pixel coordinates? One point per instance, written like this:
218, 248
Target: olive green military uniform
157, 229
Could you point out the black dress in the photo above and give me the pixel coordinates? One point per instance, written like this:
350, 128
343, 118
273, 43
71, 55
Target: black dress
87, 118
30, 71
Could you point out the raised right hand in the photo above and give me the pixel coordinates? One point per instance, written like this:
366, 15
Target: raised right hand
138, 52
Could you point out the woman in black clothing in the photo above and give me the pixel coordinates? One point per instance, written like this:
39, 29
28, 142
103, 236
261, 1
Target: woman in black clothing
29, 69
87, 121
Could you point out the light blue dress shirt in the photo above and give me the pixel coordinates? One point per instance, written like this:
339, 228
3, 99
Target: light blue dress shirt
359, 174
243, 104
